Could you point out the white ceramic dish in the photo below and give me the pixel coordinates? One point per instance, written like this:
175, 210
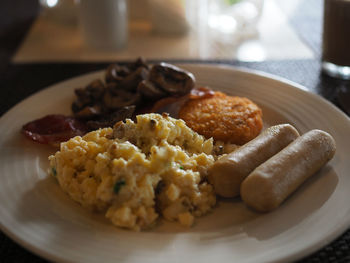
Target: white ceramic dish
39, 216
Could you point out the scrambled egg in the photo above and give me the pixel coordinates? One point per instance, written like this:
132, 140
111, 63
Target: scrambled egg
138, 171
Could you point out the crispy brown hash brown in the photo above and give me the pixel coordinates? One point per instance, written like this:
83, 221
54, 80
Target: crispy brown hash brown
226, 118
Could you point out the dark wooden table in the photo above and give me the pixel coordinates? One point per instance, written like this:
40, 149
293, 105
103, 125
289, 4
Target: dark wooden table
18, 81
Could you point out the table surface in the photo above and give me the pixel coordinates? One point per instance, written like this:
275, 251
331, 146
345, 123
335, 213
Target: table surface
18, 81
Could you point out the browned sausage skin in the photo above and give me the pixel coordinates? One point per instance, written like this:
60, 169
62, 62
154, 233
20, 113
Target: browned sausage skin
274, 180
227, 173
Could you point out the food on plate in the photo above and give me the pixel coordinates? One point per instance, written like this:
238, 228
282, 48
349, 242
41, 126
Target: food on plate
168, 80
226, 118
128, 89
274, 180
138, 171
118, 90
54, 128
137, 87
229, 171
150, 165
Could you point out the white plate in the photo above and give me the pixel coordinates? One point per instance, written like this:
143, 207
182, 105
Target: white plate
39, 216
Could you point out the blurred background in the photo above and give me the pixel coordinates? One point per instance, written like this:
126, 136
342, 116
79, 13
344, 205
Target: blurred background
246, 30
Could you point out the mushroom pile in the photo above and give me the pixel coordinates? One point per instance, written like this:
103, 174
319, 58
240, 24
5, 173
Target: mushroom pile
128, 89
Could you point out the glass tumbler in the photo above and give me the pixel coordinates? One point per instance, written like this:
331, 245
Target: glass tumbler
336, 38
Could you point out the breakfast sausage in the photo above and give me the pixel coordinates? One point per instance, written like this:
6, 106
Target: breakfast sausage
274, 180
228, 172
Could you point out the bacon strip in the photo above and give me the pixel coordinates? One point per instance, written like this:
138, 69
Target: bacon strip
172, 105
201, 92
53, 129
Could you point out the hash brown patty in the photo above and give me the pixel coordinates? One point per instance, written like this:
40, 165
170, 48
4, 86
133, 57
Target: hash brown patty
226, 118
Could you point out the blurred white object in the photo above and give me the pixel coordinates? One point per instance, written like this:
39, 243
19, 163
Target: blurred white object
48, 3
233, 20
104, 23
221, 21
169, 17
